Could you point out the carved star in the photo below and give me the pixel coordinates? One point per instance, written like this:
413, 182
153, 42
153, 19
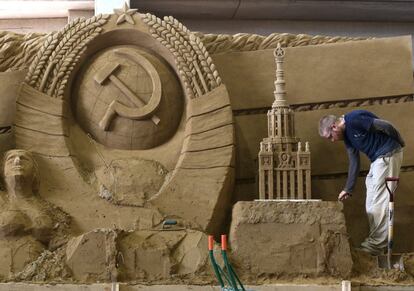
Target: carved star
125, 14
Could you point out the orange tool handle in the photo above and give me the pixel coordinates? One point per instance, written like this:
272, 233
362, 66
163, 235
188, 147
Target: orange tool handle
224, 242
210, 242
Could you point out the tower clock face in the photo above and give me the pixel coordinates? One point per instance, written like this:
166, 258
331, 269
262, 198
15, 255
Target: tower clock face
128, 98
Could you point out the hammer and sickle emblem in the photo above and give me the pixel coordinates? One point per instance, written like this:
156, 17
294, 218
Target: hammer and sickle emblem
141, 110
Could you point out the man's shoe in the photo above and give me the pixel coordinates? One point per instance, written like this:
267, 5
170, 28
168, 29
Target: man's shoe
362, 249
368, 251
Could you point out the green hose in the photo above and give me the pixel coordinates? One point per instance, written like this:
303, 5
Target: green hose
229, 270
216, 268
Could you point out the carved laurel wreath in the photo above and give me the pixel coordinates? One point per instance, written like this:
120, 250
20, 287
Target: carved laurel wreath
221, 43
194, 63
51, 68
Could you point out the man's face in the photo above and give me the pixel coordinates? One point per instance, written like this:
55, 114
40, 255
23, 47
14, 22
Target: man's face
335, 133
18, 163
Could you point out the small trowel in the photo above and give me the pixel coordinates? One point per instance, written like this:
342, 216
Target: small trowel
171, 224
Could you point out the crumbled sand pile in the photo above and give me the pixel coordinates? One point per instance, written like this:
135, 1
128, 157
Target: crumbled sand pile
366, 270
49, 266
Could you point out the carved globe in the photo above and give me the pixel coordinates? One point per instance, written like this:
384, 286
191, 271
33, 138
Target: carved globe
145, 89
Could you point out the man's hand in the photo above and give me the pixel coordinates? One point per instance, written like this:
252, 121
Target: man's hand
344, 195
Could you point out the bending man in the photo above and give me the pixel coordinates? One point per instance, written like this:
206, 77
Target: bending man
363, 131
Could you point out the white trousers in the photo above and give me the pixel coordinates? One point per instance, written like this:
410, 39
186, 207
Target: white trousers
377, 200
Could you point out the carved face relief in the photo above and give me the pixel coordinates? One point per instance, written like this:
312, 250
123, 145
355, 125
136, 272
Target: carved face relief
18, 163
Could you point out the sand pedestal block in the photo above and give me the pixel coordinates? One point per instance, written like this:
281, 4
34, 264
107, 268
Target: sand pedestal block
286, 238
92, 256
158, 255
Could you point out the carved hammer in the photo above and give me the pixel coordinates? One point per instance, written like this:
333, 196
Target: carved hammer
108, 73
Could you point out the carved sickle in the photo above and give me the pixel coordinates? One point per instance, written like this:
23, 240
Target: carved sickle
142, 111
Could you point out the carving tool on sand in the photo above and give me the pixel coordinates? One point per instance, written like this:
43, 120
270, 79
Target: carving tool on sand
171, 224
391, 261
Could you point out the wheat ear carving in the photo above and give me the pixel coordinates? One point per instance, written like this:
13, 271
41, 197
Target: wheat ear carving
59, 54
192, 59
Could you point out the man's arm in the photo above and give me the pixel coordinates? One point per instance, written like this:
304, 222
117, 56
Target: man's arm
387, 128
353, 169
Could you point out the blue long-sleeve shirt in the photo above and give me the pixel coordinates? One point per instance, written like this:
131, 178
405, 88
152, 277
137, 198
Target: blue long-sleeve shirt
375, 137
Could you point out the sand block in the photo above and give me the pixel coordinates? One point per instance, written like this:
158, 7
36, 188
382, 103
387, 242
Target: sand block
16, 253
191, 253
286, 238
91, 256
157, 255
147, 254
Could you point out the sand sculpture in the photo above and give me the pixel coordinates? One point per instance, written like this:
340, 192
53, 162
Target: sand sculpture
28, 224
285, 208
23, 214
117, 111
130, 124
284, 166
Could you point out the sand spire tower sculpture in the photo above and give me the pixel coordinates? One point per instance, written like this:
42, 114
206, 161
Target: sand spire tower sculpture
284, 165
